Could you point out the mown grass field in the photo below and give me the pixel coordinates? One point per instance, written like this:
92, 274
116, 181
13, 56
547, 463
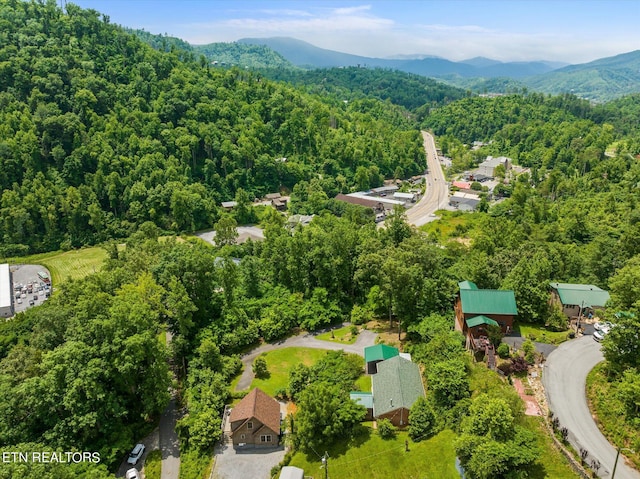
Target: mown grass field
340, 335
65, 265
281, 361
540, 334
372, 457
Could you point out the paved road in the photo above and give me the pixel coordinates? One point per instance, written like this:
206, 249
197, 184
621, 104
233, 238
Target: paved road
303, 340
564, 380
169, 444
436, 193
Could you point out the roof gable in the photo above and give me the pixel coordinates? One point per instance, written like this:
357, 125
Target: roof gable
379, 352
488, 301
259, 405
478, 320
584, 295
467, 285
398, 384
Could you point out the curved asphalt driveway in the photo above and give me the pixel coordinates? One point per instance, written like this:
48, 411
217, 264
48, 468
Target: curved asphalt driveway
303, 340
565, 379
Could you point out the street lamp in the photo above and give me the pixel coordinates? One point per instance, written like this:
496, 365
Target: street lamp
615, 464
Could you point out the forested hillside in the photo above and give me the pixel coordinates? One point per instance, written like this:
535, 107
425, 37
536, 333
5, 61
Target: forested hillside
400, 88
100, 133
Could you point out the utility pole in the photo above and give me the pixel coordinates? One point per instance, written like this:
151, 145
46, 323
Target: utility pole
615, 464
325, 464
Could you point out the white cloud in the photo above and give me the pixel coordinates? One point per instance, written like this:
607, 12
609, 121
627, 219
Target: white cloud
351, 10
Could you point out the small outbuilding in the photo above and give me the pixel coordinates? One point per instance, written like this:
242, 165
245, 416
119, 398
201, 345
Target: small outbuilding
291, 472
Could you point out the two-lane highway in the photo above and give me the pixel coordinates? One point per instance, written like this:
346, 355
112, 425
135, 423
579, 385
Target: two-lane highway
436, 192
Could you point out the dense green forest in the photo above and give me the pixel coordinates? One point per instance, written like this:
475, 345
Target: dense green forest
414, 92
101, 133
104, 137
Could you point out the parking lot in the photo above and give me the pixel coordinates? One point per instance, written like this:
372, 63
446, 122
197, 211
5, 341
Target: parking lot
28, 289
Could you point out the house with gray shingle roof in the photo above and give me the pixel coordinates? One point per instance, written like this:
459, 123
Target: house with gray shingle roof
395, 388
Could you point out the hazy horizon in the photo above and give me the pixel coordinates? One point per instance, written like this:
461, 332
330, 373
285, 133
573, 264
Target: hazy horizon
565, 31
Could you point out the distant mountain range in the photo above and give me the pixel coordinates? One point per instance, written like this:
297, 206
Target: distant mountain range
599, 80
306, 55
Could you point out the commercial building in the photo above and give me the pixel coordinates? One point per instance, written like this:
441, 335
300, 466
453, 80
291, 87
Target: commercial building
6, 296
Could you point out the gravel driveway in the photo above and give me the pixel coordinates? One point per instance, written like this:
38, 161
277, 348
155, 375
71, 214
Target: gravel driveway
564, 379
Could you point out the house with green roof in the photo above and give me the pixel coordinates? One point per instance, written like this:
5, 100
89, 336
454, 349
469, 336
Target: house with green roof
476, 309
576, 299
395, 388
375, 354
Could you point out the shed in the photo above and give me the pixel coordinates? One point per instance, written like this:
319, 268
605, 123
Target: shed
291, 472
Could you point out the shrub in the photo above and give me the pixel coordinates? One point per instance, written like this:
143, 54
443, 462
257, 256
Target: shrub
503, 350
260, 368
505, 368
529, 350
519, 364
386, 429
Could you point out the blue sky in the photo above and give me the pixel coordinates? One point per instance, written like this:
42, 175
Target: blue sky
572, 31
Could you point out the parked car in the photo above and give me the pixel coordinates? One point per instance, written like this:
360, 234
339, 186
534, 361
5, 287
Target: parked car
136, 454
603, 325
599, 335
132, 474
19, 301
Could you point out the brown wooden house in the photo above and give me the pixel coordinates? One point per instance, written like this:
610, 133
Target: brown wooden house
256, 420
478, 308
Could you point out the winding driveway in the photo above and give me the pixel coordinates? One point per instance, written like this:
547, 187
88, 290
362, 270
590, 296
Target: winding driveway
565, 379
303, 340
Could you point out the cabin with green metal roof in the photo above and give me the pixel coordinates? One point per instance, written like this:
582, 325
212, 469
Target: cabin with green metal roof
476, 309
395, 388
576, 299
375, 354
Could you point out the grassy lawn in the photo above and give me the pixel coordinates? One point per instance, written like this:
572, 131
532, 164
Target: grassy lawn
65, 265
153, 464
280, 362
452, 224
341, 335
374, 458
364, 383
610, 413
540, 334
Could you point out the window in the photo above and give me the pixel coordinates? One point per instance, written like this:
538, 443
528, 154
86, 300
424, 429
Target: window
241, 436
265, 438
249, 425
